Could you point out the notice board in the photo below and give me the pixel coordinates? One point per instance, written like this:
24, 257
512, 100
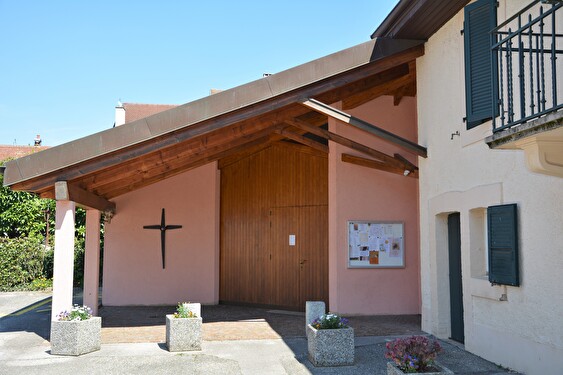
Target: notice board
375, 244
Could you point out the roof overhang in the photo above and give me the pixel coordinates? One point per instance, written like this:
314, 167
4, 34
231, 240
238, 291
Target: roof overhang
207, 129
418, 19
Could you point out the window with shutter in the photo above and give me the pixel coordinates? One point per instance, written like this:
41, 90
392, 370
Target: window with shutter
480, 73
502, 223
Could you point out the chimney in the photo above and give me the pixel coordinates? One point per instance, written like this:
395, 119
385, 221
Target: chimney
37, 141
119, 114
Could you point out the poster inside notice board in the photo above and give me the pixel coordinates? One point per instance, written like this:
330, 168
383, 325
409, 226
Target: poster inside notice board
376, 244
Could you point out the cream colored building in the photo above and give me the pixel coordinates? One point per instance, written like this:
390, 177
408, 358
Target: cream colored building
469, 169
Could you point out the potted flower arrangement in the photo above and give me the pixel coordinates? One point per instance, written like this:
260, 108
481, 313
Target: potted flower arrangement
414, 354
330, 341
76, 332
183, 328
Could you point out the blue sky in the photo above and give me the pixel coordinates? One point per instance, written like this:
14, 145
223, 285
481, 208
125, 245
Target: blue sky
64, 64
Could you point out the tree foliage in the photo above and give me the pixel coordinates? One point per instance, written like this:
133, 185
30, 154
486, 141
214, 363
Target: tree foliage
25, 214
25, 253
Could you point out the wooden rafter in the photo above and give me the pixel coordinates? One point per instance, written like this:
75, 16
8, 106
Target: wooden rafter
245, 152
166, 163
365, 126
347, 142
186, 162
411, 166
303, 140
83, 198
396, 85
359, 86
347, 158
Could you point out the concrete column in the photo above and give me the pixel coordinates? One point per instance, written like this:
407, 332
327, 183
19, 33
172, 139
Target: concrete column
313, 310
92, 260
63, 263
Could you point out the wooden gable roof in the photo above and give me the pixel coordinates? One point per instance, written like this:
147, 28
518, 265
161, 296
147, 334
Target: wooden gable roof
113, 162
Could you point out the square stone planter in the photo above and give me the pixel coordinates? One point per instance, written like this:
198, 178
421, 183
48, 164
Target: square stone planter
392, 369
330, 347
183, 334
76, 337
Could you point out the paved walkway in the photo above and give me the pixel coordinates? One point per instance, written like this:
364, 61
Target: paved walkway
24, 348
220, 323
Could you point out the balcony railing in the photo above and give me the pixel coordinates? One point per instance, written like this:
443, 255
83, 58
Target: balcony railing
525, 51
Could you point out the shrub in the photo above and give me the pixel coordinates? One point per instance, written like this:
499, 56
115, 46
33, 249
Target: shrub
41, 284
21, 261
413, 354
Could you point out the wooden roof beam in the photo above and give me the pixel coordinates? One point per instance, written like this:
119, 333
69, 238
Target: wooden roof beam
347, 158
347, 142
303, 140
83, 198
395, 84
365, 126
136, 178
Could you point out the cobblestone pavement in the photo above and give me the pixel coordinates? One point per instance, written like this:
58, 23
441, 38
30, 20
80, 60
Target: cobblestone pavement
222, 322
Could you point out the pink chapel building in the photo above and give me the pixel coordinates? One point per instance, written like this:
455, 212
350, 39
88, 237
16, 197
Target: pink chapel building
403, 175
299, 186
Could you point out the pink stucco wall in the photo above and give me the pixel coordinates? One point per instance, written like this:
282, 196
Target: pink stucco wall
132, 270
360, 193
133, 273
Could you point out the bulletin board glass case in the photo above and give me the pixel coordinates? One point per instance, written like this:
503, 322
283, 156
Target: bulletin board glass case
376, 244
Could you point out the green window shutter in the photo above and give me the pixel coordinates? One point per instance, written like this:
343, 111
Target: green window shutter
480, 73
502, 222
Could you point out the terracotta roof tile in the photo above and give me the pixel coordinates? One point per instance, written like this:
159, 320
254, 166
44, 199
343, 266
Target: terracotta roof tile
136, 111
9, 151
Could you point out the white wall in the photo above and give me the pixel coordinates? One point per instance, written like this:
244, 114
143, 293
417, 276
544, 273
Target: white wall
462, 174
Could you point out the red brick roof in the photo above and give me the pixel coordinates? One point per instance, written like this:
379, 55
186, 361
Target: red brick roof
14, 152
136, 111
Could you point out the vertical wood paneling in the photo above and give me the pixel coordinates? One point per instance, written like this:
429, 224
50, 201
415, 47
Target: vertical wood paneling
255, 264
313, 251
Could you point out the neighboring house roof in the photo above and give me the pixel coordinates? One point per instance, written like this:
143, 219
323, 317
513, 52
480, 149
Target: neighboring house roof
137, 111
125, 158
14, 152
417, 19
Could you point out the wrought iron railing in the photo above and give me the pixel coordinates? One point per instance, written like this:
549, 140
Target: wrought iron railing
525, 51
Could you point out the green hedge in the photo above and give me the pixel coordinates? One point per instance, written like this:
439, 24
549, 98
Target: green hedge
25, 264
21, 261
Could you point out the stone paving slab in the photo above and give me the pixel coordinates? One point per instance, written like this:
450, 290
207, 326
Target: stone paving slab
25, 349
221, 322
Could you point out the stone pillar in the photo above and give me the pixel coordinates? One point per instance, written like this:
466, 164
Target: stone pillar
313, 310
92, 260
63, 263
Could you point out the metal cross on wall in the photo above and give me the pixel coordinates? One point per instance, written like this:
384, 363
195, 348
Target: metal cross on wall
163, 228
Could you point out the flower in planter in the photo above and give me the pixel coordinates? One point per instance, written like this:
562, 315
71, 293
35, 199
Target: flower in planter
183, 311
413, 354
76, 332
76, 313
330, 321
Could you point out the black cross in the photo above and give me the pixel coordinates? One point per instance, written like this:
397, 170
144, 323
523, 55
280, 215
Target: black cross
163, 228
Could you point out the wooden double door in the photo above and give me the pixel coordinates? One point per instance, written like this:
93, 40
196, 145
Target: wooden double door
274, 228
298, 269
